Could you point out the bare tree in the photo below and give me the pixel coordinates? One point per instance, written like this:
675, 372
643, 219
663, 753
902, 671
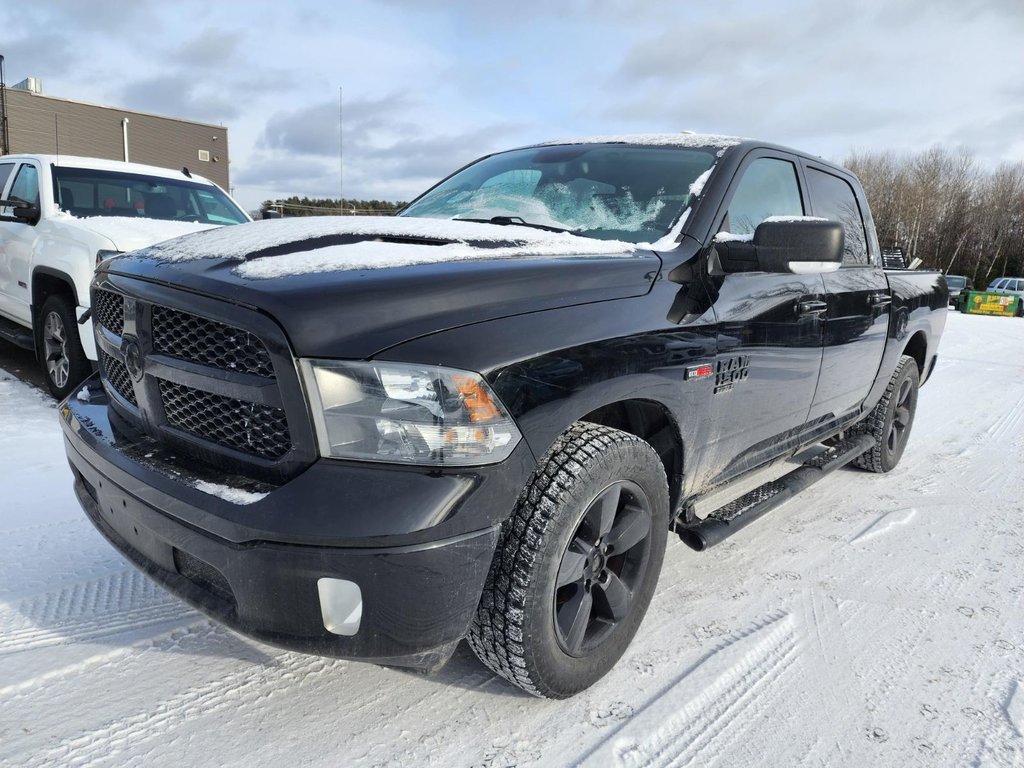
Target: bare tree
942, 208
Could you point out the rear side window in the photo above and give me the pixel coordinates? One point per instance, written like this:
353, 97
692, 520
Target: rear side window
5, 174
768, 187
833, 198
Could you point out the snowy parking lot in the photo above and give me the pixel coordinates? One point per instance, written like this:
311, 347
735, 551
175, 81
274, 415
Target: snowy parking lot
874, 620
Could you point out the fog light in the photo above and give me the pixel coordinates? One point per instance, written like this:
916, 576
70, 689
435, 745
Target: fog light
341, 605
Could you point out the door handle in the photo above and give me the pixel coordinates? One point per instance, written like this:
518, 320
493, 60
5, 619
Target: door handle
811, 307
879, 299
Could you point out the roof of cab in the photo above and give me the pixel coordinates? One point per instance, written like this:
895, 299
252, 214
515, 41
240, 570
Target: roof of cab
71, 161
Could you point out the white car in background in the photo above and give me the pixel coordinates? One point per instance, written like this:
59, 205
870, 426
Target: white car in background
1010, 285
60, 216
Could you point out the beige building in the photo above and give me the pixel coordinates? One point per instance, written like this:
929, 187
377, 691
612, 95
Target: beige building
44, 124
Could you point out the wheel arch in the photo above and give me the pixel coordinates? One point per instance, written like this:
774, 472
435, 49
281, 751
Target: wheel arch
47, 281
652, 422
917, 348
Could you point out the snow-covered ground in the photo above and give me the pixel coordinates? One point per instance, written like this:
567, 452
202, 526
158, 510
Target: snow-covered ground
876, 620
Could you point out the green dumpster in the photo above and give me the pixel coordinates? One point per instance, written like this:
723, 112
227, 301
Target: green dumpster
984, 303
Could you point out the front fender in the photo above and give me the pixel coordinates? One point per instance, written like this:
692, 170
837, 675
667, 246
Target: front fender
552, 368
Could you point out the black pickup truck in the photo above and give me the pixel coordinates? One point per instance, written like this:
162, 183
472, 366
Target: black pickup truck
373, 437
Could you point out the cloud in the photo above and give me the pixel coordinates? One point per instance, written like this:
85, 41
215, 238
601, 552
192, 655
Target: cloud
314, 130
22, 59
824, 76
286, 173
180, 95
210, 49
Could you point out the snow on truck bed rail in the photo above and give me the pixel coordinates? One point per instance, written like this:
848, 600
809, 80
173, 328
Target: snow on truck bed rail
465, 241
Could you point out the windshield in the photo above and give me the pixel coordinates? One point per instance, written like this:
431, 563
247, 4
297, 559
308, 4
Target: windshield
605, 191
87, 192
955, 281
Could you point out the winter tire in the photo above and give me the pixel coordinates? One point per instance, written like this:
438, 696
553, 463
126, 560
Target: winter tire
576, 565
891, 420
60, 347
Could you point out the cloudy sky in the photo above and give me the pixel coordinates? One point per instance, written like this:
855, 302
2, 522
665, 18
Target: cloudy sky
429, 85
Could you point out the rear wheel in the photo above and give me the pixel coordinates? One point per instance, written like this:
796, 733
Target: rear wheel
891, 420
60, 347
577, 564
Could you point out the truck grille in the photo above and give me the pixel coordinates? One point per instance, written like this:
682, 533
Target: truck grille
247, 427
190, 337
108, 309
117, 377
224, 393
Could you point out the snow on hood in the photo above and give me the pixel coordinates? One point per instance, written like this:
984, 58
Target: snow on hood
130, 233
466, 241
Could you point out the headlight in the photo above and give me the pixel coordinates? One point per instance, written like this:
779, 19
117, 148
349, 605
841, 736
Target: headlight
406, 413
104, 255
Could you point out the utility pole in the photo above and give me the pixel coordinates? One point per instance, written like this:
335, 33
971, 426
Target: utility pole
5, 138
341, 153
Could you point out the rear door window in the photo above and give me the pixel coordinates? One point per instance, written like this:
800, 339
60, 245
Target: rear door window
833, 198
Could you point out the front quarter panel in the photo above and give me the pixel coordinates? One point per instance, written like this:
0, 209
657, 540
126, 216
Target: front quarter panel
552, 368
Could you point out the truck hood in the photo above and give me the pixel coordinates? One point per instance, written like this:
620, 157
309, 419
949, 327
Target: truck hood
129, 234
352, 287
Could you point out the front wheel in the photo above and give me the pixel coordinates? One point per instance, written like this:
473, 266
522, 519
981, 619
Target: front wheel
60, 348
891, 420
577, 563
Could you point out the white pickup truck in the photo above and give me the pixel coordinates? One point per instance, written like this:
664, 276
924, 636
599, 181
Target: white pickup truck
59, 217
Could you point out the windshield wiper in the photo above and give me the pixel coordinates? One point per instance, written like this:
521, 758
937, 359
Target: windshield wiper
518, 220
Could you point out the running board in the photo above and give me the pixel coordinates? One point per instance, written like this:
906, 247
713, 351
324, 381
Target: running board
737, 514
16, 334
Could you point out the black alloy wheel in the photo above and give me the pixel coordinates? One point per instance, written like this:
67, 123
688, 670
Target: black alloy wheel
902, 417
577, 563
891, 419
602, 567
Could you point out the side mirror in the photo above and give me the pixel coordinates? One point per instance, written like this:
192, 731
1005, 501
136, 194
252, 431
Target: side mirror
23, 210
799, 245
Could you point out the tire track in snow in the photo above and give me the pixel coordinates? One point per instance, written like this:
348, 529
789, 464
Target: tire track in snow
708, 707
31, 557
120, 601
1008, 422
236, 691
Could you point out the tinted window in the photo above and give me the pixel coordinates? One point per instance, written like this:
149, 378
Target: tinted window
26, 185
5, 173
768, 188
89, 192
833, 198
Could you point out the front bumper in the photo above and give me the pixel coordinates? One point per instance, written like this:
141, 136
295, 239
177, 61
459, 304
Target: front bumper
419, 586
